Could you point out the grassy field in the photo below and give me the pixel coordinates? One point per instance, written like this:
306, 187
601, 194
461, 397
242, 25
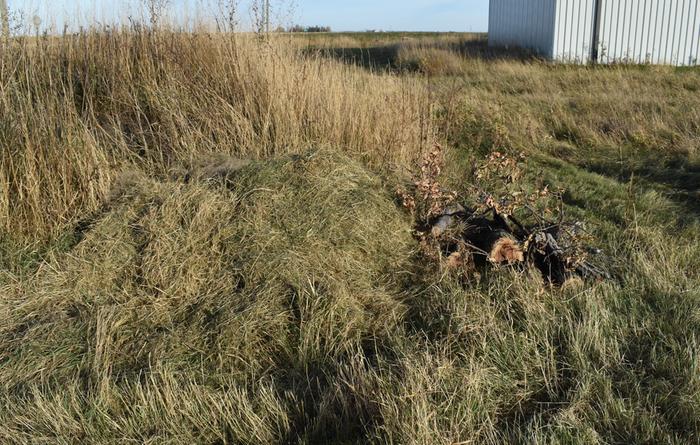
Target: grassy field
200, 242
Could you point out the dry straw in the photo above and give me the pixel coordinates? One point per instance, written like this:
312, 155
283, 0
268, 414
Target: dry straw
79, 108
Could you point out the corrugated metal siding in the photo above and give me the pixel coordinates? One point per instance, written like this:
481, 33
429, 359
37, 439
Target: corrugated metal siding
574, 30
633, 31
527, 24
664, 32
650, 31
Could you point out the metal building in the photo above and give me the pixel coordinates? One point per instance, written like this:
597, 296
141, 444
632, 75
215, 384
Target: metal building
604, 31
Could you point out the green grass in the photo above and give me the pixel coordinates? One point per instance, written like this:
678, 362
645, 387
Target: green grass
185, 297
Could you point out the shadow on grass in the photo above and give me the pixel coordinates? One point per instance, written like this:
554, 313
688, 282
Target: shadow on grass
375, 58
676, 178
384, 57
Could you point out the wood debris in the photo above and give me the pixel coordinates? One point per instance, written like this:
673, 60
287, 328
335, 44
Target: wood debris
488, 233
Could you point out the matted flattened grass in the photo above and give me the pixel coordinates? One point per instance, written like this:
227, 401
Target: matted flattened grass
221, 293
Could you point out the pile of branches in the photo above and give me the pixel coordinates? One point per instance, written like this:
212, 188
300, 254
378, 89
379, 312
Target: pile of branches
505, 224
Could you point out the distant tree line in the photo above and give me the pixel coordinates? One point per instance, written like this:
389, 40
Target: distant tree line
299, 28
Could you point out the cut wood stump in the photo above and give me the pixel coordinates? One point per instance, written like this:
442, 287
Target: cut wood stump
502, 240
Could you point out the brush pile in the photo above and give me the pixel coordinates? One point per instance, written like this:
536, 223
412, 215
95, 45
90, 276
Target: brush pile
506, 225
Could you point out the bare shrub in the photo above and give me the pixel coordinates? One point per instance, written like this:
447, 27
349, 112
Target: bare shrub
156, 9
230, 11
500, 220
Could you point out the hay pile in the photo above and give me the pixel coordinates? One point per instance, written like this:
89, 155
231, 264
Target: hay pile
217, 308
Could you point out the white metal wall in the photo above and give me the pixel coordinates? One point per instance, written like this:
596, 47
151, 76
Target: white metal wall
650, 31
634, 31
573, 30
527, 24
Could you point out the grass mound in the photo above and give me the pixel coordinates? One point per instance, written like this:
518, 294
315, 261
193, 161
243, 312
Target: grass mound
205, 308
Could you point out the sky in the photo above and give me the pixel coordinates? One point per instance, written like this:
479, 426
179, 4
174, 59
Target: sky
352, 15
397, 15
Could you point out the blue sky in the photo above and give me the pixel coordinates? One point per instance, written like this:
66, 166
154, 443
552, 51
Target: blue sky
404, 15
348, 15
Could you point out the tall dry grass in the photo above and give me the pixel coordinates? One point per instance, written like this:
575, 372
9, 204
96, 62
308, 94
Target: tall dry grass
79, 108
